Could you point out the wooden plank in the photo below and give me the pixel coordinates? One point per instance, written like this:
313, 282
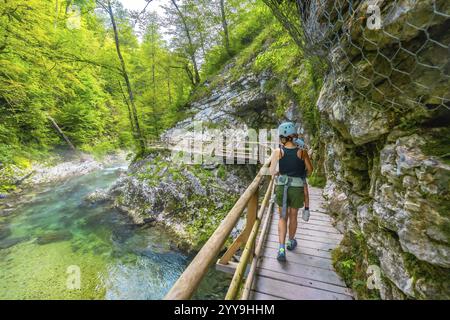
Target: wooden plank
313, 216
331, 235
305, 259
303, 271
307, 226
230, 267
315, 222
273, 247
313, 233
306, 243
320, 211
312, 221
262, 296
304, 282
301, 236
295, 292
304, 230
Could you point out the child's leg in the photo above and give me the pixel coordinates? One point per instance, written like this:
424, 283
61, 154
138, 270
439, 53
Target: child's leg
305, 190
282, 229
293, 213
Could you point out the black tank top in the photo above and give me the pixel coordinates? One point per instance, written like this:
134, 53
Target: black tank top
290, 164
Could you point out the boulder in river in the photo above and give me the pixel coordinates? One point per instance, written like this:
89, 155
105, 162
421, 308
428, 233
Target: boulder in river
98, 196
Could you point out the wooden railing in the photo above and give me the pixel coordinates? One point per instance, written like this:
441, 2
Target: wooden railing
190, 279
249, 253
253, 151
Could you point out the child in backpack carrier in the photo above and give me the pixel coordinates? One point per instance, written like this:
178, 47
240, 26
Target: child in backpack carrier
300, 142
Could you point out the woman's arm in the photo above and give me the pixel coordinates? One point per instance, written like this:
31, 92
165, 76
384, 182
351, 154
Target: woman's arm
274, 161
308, 163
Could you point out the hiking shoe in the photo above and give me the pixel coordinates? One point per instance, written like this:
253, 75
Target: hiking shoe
291, 244
305, 215
281, 255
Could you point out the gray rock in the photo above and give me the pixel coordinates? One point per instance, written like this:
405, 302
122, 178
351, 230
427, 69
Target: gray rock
98, 196
382, 177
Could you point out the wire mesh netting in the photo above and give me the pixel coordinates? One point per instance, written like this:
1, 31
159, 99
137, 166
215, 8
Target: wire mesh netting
391, 55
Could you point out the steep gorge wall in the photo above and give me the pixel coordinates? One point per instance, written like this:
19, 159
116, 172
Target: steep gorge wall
385, 119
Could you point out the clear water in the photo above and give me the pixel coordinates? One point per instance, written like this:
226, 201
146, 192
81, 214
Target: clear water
55, 229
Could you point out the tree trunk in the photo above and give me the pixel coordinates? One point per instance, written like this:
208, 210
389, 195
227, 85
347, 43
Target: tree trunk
225, 27
138, 131
154, 115
68, 4
61, 133
169, 91
56, 13
130, 112
202, 43
191, 45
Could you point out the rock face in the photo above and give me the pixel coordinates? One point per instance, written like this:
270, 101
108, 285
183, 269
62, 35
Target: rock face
189, 199
231, 103
385, 117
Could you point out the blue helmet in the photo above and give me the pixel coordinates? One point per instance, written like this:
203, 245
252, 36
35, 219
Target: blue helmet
287, 129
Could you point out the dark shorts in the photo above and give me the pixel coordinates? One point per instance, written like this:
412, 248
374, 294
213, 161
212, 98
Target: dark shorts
295, 197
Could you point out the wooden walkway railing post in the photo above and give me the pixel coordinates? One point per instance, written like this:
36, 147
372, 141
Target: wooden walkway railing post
248, 252
252, 208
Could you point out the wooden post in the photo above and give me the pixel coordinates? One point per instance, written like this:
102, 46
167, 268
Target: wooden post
248, 250
257, 251
252, 209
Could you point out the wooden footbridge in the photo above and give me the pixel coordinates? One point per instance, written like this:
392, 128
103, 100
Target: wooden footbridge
308, 271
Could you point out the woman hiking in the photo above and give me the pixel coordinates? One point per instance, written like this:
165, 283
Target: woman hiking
293, 167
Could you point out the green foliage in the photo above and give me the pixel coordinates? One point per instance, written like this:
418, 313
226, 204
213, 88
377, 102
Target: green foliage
221, 172
316, 180
208, 218
438, 144
423, 270
161, 85
351, 260
249, 20
48, 69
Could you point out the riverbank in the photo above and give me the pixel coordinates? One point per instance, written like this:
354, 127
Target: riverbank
15, 179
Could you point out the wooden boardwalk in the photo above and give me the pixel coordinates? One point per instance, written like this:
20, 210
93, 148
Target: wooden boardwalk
308, 273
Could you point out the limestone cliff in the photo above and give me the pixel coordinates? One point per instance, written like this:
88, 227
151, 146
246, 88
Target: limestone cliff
385, 119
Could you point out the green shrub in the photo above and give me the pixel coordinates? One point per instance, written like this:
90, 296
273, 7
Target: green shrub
351, 260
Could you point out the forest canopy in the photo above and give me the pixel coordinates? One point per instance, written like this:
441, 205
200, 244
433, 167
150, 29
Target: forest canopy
107, 77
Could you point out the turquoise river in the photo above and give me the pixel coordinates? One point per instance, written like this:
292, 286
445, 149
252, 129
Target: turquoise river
50, 232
